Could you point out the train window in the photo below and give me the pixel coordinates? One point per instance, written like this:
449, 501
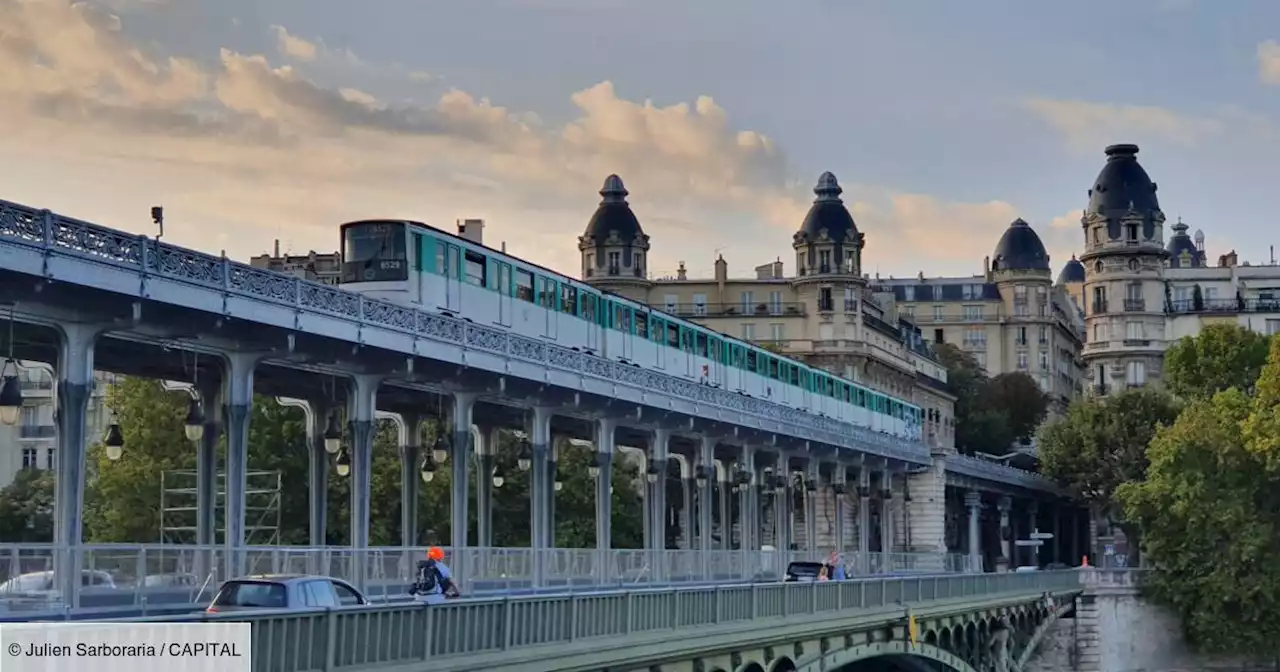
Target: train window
568, 299
642, 324
524, 285
686, 339
794, 375
739, 356
673, 335
504, 278
623, 320
442, 260
475, 268
751, 360
700, 344
773, 368
588, 307
713, 347
657, 329
375, 252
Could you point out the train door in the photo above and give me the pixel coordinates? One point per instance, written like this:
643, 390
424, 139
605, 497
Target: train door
504, 293
551, 302
453, 278
588, 312
658, 336
626, 329
686, 346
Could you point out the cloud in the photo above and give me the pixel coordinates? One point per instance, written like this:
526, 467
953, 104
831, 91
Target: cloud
292, 45
1269, 62
1086, 126
242, 148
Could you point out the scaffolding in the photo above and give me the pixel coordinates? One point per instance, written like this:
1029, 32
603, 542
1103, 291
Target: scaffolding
179, 513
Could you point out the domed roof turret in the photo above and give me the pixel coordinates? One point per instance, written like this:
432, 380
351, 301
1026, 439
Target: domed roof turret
828, 213
1072, 272
1020, 249
1180, 243
1123, 187
614, 216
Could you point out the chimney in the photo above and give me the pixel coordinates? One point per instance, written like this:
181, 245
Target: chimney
472, 230
986, 268
722, 269
777, 268
681, 273
277, 253
1228, 260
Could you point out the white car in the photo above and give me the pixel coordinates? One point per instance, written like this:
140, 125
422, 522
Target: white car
35, 590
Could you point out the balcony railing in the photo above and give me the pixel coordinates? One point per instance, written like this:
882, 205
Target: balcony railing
1135, 305
1236, 305
36, 431
733, 309
1099, 307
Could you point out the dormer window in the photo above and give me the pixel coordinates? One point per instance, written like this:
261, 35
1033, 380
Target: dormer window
1131, 232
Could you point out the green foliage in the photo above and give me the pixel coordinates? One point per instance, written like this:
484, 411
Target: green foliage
123, 497
990, 413
1220, 357
1101, 442
26, 507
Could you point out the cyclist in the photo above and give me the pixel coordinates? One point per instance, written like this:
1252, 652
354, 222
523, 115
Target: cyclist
434, 581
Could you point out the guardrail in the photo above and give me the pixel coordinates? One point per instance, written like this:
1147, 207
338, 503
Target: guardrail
369, 636
161, 576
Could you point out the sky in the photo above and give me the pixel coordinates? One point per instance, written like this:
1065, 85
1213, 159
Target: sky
257, 120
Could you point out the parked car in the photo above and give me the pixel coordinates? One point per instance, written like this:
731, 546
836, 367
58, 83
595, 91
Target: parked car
284, 591
39, 590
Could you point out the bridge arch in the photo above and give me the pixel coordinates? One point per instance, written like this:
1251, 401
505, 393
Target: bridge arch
782, 664
905, 655
751, 667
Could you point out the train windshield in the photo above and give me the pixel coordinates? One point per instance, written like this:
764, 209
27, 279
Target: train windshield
375, 252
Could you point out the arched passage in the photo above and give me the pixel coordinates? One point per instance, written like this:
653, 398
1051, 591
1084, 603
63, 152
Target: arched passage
889, 657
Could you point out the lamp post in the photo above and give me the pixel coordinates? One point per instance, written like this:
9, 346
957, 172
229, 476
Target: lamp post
343, 463
428, 470
440, 449
333, 436
593, 469
524, 459
114, 442
11, 389
194, 424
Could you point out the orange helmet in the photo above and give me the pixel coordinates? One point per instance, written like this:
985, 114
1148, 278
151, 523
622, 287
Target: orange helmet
435, 553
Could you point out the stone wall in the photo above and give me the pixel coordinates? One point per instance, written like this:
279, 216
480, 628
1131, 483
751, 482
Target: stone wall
1115, 630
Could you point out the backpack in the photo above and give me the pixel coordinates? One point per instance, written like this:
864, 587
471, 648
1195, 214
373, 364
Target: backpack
428, 581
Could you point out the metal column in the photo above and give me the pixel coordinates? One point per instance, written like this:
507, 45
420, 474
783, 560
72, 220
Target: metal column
605, 434
75, 386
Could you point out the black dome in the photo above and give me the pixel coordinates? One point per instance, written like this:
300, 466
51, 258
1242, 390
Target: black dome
1180, 242
1020, 249
614, 215
828, 212
1124, 186
1072, 272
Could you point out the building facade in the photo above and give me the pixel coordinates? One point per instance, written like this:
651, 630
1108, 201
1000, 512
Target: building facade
32, 443
1013, 317
1140, 295
827, 313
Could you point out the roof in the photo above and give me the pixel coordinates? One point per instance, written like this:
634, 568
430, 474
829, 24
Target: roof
828, 213
1020, 249
1072, 272
1124, 187
614, 216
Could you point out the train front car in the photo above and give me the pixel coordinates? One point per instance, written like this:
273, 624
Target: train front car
376, 259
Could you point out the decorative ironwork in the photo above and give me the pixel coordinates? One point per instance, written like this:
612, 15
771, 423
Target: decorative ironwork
56, 234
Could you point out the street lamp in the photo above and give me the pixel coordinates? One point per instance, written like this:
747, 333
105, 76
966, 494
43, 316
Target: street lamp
525, 458
333, 435
114, 442
428, 470
593, 469
440, 450
11, 391
343, 463
559, 484
700, 475
652, 473
498, 478
194, 426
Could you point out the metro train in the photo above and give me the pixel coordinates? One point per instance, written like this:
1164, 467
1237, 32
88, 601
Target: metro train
416, 264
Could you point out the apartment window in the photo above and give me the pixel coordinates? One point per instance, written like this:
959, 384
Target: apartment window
1273, 327
748, 332
975, 337
1044, 360
29, 458
670, 303
777, 332
1210, 293
615, 259
1099, 299
748, 302
825, 302
909, 293
973, 312
1020, 293
30, 416
939, 335
1181, 294
1133, 330
909, 311
850, 300
1100, 334
824, 261
971, 292
1133, 291
775, 303
1136, 373
1022, 361
1021, 338
938, 313
981, 359
1044, 334
700, 304
49, 457
1020, 309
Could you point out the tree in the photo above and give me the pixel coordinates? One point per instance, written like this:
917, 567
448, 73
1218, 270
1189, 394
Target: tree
26, 507
1210, 513
1022, 400
1101, 442
1221, 356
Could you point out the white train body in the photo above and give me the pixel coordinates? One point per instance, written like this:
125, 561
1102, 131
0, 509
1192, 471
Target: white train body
415, 264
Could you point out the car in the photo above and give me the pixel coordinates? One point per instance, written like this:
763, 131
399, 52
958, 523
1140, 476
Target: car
284, 591
39, 590
806, 572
